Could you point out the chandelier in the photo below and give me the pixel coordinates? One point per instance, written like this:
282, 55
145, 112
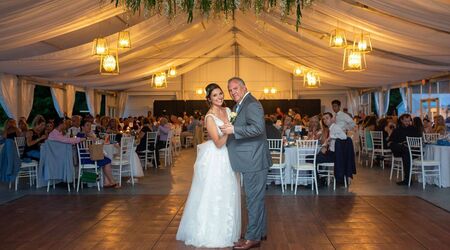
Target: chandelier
338, 39
362, 42
99, 46
124, 40
172, 72
311, 79
299, 71
109, 63
354, 60
159, 80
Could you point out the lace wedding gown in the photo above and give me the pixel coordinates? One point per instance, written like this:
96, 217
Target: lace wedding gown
212, 214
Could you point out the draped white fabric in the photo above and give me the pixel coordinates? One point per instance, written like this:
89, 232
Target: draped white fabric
98, 103
8, 95
90, 100
122, 98
70, 99
58, 100
353, 101
27, 94
382, 102
410, 40
405, 99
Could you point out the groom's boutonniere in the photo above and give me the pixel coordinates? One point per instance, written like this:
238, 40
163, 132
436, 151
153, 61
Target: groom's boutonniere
233, 117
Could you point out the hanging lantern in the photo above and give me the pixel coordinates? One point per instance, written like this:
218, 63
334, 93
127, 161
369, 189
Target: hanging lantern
172, 72
363, 43
299, 71
99, 46
354, 60
273, 90
124, 40
311, 79
199, 91
159, 80
338, 39
266, 90
109, 63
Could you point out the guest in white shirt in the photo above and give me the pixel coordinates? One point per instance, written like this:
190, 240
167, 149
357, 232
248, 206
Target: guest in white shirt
326, 153
76, 126
342, 119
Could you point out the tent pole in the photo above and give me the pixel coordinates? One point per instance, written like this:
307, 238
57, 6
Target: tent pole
236, 59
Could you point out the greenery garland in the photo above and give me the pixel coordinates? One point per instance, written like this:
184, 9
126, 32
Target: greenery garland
217, 7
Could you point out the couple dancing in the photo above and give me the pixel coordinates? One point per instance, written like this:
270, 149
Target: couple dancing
212, 215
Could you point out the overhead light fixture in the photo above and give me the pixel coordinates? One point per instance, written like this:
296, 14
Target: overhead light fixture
99, 46
109, 63
362, 42
266, 90
124, 40
172, 72
273, 90
338, 39
299, 71
311, 79
354, 60
159, 80
199, 91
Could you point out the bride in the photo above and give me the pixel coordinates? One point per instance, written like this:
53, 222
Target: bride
212, 214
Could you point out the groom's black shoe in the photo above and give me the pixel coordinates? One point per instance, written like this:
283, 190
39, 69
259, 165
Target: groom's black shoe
248, 244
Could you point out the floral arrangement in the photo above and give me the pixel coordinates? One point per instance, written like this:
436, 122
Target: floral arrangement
225, 8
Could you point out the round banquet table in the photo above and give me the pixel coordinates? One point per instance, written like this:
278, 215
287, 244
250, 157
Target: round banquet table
441, 154
135, 163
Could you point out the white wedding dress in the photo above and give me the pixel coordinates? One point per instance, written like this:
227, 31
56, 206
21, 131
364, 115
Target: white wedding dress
212, 214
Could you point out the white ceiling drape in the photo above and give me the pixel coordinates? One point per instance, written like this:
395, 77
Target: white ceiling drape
410, 40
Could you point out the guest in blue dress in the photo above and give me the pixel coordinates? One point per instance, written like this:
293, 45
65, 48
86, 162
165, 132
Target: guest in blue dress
105, 163
10, 130
34, 138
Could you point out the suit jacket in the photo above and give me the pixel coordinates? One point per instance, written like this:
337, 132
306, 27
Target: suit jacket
247, 147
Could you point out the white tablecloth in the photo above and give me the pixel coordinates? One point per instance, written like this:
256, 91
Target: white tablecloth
290, 158
442, 154
135, 163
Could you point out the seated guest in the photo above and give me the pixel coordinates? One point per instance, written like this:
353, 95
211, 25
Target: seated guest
271, 131
382, 125
326, 153
23, 126
397, 143
113, 126
48, 128
439, 125
143, 136
314, 131
342, 119
370, 125
163, 131
190, 128
34, 138
105, 163
76, 122
418, 125
287, 126
10, 129
103, 125
57, 133
427, 126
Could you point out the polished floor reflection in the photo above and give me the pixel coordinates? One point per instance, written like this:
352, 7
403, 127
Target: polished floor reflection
151, 221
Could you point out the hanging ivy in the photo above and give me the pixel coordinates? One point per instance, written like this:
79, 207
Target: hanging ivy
217, 7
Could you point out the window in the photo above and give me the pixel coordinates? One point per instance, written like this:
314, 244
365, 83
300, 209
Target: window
80, 107
3, 117
394, 100
42, 103
431, 99
111, 111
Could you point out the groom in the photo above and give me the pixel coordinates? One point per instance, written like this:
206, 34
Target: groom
249, 154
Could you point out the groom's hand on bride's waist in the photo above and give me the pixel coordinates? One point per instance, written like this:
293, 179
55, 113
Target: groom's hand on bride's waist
227, 129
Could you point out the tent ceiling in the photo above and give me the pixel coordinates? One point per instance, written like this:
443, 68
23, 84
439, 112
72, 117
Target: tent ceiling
51, 40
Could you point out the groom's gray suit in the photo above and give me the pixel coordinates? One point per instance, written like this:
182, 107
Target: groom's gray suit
249, 154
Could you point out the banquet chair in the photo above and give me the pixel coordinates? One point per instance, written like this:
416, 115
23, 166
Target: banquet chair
419, 165
378, 148
27, 169
430, 137
149, 154
167, 150
364, 149
326, 169
124, 159
277, 170
306, 151
83, 154
112, 138
397, 165
177, 140
189, 140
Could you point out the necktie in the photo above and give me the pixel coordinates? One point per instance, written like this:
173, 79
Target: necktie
238, 107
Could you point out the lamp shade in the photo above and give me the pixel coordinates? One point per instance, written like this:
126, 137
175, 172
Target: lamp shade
109, 63
124, 40
338, 39
99, 46
362, 42
159, 80
354, 60
311, 79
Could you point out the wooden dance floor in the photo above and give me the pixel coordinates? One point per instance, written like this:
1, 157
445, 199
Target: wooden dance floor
151, 221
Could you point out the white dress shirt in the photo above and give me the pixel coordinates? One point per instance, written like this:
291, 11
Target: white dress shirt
336, 132
344, 121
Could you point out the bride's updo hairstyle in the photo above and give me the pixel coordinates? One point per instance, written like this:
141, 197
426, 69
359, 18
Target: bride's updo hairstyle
209, 89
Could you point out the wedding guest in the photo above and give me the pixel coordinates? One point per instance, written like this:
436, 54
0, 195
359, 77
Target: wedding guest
342, 119
163, 131
440, 126
326, 153
49, 128
105, 163
23, 126
57, 133
190, 128
113, 126
382, 125
427, 126
298, 120
418, 125
34, 138
143, 136
314, 131
271, 131
76, 122
10, 129
287, 126
279, 112
397, 143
